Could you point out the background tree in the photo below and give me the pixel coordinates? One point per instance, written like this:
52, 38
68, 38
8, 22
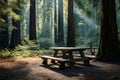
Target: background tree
60, 24
32, 27
109, 48
24, 20
16, 36
4, 36
55, 22
70, 29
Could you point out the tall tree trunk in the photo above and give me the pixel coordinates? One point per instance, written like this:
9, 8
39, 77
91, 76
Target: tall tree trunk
4, 36
32, 29
55, 22
109, 44
16, 36
48, 23
44, 16
60, 23
71, 30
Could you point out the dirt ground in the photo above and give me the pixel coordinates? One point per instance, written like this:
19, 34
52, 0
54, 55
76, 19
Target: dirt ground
32, 69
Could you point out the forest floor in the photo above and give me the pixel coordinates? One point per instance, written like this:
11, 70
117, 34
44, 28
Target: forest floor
31, 69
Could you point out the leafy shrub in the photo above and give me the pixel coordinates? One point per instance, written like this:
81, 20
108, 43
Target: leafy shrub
5, 53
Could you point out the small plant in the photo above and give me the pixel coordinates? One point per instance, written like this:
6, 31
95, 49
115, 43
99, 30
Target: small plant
5, 54
28, 53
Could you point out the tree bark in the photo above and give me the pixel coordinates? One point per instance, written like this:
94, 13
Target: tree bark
16, 35
109, 49
4, 36
55, 22
71, 30
32, 28
60, 24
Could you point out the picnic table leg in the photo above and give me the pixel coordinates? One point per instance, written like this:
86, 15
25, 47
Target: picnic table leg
85, 59
44, 61
71, 59
64, 54
54, 55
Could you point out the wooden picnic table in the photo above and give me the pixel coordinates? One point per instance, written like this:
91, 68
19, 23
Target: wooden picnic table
67, 52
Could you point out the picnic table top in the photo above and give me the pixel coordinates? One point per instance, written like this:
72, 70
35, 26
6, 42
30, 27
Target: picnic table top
69, 48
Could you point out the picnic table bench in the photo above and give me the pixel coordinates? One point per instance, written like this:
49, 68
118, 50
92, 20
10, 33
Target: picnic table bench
60, 60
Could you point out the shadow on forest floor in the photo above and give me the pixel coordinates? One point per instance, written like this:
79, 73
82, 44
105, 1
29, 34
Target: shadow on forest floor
32, 69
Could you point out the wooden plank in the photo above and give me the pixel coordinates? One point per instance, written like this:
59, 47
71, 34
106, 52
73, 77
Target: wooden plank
60, 60
90, 56
55, 58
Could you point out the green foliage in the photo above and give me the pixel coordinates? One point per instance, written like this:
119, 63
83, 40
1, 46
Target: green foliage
5, 54
45, 43
27, 45
26, 53
7, 10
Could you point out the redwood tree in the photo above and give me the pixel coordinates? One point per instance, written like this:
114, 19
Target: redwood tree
109, 48
55, 22
60, 24
4, 36
32, 29
71, 29
15, 37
